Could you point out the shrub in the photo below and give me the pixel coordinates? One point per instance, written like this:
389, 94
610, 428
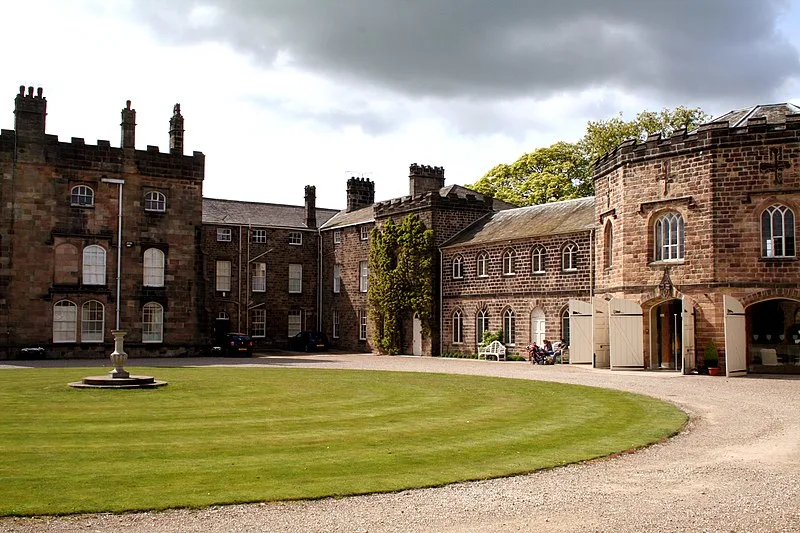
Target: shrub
711, 355
489, 337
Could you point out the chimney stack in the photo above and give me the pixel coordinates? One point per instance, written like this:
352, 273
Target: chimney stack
311, 206
424, 178
360, 193
176, 131
128, 141
29, 113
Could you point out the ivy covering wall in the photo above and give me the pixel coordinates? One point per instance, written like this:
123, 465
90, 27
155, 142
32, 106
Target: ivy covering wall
400, 279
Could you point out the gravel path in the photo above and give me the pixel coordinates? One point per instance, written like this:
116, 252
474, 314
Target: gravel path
735, 468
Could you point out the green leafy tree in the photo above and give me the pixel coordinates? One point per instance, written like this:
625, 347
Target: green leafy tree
400, 279
564, 170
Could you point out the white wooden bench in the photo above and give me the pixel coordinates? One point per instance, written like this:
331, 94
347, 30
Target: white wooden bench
493, 349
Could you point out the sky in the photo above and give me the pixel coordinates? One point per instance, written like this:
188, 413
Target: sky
279, 94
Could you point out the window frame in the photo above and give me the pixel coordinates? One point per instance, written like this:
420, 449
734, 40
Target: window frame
363, 276
155, 202
295, 278
662, 231
93, 273
481, 324
337, 278
294, 321
223, 278
258, 277
458, 267
482, 265
92, 327
152, 330
259, 236
59, 334
153, 273
364, 233
258, 322
569, 257
337, 236
224, 234
75, 197
509, 262
362, 325
787, 228
336, 329
458, 327
295, 238
509, 327
538, 256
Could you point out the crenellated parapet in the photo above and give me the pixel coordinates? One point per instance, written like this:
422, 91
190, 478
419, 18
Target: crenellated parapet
424, 178
429, 201
712, 135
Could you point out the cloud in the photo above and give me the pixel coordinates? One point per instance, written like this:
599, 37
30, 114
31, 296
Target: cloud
690, 49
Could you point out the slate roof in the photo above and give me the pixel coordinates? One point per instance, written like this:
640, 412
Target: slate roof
569, 216
367, 214
259, 214
774, 113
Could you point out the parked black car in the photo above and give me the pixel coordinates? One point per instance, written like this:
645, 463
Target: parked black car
238, 345
309, 341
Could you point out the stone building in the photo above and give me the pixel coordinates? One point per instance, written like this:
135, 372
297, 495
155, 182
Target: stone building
95, 237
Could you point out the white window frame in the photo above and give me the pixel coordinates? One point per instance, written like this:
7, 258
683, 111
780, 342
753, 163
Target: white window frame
295, 238
155, 201
152, 323
458, 267
94, 265
258, 277
92, 321
258, 322
509, 263
153, 268
65, 322
259, 236
482, 265
337, 278
509, 327
363, 276
81, 196
481, 324
569, 257
364, 233
538, 256
295, 278
224, 234
778, 232
337, 236
565, 325
295, 322
458, 327
362, 325
669, 234
223, 276
336, 325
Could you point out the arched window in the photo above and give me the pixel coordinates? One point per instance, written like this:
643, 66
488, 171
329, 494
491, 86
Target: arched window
82, 196
458, 267
94, 265
565, 325
569, 257
152, 322
458, 327
538, 256
483, 264
65, 321
777, 232
481, 324
509, 327
223, 315
155, 201
537, 326
92, 321
153, 268
669, 237
509, 260
608, 245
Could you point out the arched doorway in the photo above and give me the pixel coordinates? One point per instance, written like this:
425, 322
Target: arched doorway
666, 335
773, 336
537, 326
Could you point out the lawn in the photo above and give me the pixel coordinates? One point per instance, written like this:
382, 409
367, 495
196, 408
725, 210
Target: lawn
232, 435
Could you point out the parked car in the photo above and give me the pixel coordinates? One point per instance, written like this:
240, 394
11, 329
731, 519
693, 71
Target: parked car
238, 344
309, 341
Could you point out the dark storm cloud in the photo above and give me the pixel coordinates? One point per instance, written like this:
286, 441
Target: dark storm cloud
506, 49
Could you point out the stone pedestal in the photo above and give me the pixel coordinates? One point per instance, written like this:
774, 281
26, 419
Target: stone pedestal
118, 356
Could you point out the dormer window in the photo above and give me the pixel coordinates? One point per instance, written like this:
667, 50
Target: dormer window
82, 196
155, 201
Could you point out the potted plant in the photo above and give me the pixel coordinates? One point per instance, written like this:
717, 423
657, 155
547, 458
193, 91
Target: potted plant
711, 358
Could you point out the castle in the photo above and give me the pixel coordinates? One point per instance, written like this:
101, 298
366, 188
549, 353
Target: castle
688, 241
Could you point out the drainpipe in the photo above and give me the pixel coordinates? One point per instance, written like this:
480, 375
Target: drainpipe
119, 240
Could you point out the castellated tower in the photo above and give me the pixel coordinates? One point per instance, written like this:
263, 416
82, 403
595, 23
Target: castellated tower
360, 193
29, 113
424, 178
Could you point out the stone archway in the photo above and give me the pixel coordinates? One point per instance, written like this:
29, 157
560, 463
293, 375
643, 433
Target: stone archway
772, 331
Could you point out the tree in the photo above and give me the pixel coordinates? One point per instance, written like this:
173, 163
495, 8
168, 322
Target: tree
564, 170
400, 279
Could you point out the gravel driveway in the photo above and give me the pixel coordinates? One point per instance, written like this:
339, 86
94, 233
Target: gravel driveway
735, 468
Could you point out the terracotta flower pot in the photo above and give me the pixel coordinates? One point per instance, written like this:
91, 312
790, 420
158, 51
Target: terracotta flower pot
713, 371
